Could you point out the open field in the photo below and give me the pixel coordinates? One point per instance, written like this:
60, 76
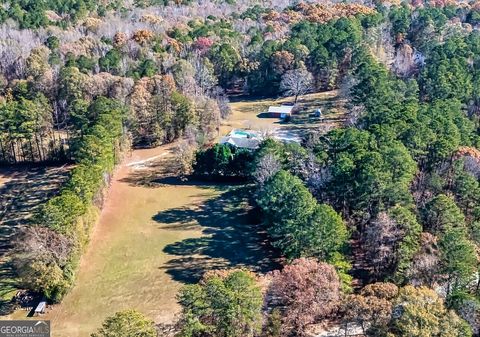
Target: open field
155, 234
22, 190
249, 114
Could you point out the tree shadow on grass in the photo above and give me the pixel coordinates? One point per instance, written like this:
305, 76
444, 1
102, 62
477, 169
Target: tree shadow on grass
265, 115
164, 171
27, 188
7, 286
231, 237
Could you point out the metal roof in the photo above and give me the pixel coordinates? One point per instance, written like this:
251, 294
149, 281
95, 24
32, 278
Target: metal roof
241, 142
283, 109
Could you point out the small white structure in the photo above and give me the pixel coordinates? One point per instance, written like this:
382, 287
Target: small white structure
41, 308
282, 111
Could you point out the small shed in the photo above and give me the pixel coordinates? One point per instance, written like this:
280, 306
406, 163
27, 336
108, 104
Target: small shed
282, 111
41, 308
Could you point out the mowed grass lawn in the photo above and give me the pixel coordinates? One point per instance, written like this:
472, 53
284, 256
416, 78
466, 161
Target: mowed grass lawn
247, 113
155, 235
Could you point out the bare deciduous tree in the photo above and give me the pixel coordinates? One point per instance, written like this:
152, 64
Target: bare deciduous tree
37, 242
185, 156
469, 310
380, 239
425, 269
472, 166
266, 131
223, 102
208, 113
266, 168
297, 82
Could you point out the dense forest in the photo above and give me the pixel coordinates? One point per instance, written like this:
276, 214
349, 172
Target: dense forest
378, 221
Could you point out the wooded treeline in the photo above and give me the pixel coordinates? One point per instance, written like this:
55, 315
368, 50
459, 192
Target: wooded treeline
172, 74
390, 199
403, 174
138, 57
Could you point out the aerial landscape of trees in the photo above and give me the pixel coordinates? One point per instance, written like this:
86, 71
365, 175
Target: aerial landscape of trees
376, 221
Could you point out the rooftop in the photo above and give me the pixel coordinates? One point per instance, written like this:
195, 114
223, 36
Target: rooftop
241, 142
283, 109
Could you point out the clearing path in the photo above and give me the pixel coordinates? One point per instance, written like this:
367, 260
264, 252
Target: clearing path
155, 234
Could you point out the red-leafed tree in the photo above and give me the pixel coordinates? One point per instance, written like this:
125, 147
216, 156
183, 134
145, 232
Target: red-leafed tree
305, 291
203, 44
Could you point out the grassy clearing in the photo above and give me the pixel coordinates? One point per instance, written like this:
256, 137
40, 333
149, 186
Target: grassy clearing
157, 233
247, 114
154, 235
